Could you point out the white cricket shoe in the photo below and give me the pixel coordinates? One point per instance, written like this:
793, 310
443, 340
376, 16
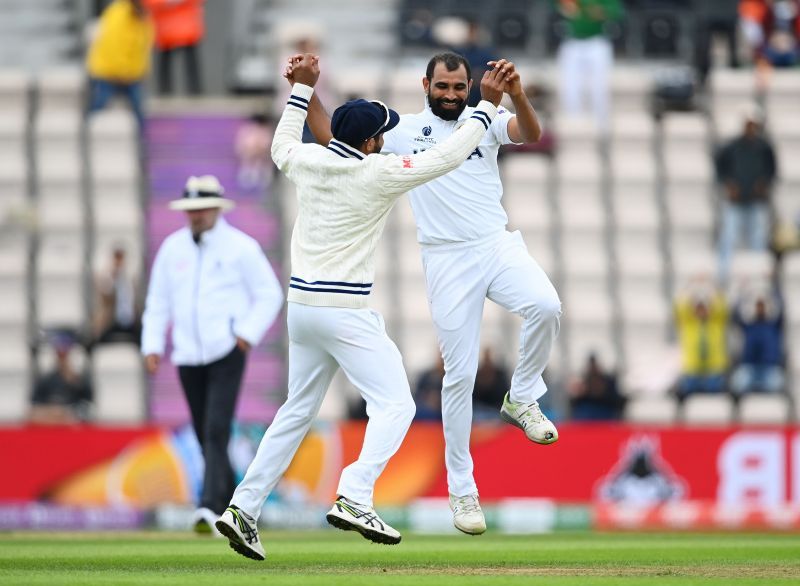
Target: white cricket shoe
203, 522
467, 514
530, 419
242, 533
350, 516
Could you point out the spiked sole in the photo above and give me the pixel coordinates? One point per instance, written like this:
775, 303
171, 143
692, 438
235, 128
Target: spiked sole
236, 542
509, 419
470, 533
371, 534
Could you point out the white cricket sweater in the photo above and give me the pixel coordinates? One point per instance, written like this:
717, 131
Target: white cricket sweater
344, 198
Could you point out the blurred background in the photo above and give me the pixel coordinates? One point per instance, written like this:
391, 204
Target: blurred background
672, 245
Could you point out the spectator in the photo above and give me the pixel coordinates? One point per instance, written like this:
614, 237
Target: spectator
179, 28
772, 29
117, 311
428, 391
701, 320
63, 395
595, 396
746, 167
714, 18
253, 141
491, 385
586, 57
759, 317
119, 56
478, 52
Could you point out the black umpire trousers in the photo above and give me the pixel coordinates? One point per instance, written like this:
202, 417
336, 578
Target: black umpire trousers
211, 391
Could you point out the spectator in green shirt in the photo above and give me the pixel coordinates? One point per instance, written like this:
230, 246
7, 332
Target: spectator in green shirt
586, 56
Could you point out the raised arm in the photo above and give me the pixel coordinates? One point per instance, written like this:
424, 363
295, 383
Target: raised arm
289, 132
398, 174
317, 118
525, 126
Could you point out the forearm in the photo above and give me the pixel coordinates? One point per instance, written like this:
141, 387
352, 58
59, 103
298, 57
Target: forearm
318, 121
267, 295
289, 131
528, 125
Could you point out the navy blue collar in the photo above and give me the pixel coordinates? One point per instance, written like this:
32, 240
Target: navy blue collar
344, 150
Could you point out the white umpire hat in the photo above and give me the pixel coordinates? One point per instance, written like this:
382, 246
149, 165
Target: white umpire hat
202, 193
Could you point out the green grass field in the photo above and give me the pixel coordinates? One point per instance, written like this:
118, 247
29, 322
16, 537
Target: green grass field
331, 557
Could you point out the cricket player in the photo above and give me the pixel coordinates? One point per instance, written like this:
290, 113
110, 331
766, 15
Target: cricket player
345, 192
468, 256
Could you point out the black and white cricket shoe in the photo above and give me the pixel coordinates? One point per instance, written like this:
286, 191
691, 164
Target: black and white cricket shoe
242, 533
349, 516
530, 419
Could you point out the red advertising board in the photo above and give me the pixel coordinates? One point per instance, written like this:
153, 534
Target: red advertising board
600, 463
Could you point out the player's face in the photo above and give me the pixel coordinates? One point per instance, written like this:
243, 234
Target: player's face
447, 91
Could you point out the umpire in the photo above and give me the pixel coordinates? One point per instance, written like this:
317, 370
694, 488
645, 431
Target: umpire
213, 283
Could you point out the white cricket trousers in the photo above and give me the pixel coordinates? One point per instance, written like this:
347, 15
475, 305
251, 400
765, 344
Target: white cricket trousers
585, 66
321, 339
459, 277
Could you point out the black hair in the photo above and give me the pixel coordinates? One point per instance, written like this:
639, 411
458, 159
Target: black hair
452, 61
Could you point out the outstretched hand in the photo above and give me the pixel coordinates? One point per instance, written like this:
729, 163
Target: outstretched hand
302, 68
493, 84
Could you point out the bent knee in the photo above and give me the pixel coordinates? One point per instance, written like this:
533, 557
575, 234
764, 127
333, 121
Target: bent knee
544, 307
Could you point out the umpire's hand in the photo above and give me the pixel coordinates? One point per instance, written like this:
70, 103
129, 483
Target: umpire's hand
151, 362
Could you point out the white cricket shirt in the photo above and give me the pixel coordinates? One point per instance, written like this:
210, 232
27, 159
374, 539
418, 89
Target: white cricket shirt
211, 291
463, 205
345, 197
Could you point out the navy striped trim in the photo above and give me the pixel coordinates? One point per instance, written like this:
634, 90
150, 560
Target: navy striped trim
483, 117
344, 150
345, 291
331, 286
298, 102
338, 153
341, 283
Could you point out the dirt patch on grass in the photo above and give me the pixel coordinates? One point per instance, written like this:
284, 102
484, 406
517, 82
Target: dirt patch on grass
727, 571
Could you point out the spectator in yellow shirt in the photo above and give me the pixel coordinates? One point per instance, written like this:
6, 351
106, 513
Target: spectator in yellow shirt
119, 56
701, 320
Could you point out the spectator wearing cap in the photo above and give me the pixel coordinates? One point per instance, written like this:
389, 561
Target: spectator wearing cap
345, 194
213, 283
746, 168
63, 395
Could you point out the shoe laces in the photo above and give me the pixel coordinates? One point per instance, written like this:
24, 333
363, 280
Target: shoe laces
533, 414
363, 512
247, 524
467, 504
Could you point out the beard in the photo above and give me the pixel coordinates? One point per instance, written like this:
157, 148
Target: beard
439, 110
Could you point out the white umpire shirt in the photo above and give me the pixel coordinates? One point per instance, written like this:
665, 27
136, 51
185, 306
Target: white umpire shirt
463, 205
212, 292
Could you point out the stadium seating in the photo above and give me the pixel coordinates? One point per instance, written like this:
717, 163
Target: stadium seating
620, 223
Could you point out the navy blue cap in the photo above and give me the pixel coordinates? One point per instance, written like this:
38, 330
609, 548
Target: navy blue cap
358, 120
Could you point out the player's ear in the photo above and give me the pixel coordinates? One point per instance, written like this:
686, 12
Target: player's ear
426, 84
